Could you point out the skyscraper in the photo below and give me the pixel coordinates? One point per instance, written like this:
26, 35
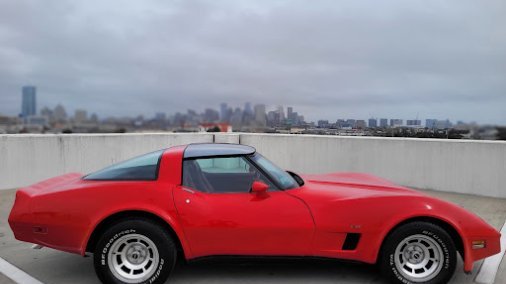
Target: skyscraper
260, 115
383, 122
414, 122
28, 105
247, 109
396, 122
289, 114
281, 113
224, 112
373, 122
430, 123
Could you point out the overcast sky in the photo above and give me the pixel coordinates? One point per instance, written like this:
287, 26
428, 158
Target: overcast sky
328, 59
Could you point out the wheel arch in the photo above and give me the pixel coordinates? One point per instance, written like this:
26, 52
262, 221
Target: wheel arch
445, 225
116, 217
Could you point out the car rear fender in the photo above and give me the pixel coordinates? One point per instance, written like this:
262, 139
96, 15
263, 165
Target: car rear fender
164, 219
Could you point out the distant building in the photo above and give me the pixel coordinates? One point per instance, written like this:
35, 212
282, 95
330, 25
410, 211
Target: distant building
80, 116
340, 123
247, 109
211, 115
47, 112
29, 103
373, 122
94, 118
224, 114
414, 122
292, 117
37, 120
281, 113
323, 123
350, 123
383, 122
443, 124
59, 114
395, 122
360, 124
273, 118
236, 118
260, 118
430, 123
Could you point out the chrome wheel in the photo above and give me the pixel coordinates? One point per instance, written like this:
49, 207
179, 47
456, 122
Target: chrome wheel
419, 258
133, 258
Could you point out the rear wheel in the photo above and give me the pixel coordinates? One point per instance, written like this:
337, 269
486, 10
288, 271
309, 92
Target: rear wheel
134, 251
419, 252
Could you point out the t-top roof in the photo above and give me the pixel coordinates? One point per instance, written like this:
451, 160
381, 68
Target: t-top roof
216, 149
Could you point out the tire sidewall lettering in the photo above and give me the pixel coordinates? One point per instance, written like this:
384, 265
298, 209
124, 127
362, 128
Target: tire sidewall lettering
443, 245
105, 250
394, 270
158, 271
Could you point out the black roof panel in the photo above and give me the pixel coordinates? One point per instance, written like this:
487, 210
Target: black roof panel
216, 149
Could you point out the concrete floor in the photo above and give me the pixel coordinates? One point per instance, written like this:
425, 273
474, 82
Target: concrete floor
50, 266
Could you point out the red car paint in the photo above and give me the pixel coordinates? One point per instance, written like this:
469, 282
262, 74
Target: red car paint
312, 220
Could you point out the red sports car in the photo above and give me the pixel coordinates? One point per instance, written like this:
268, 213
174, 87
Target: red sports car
199, 200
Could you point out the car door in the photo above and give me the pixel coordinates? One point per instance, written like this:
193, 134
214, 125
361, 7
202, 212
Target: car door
220, 216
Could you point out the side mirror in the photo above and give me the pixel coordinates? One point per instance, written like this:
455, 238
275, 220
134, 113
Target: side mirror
259, 187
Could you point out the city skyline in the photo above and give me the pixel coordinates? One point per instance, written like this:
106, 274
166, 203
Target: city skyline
251, 115
31, 90
250, 118
335, 59
225, 113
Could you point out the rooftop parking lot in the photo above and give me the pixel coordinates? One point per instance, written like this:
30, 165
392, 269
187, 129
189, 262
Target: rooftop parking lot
50, 266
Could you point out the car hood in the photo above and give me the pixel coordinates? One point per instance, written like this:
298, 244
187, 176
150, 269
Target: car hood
353, 185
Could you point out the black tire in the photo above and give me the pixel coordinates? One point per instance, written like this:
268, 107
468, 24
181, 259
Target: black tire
137, 242
410, 240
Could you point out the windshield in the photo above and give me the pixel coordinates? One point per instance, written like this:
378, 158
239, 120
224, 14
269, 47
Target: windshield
282, 178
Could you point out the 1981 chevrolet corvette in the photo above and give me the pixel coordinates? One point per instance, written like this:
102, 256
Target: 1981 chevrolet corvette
201, 200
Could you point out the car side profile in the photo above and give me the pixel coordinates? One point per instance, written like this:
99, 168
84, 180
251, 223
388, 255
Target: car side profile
199, 200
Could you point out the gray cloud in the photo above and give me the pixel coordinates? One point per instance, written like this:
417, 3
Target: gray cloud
329, 59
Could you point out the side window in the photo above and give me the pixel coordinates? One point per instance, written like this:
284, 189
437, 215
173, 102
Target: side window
221, 175
140, 168
224, 165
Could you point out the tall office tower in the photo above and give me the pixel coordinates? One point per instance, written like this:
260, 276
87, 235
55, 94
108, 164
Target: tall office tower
430, 123
224, 112
396, 122
383, 122
28, 105
414, 122
247, 109
373, 122
289, 113
281, 113
260, 115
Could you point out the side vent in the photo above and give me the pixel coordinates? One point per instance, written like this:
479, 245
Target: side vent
351, 241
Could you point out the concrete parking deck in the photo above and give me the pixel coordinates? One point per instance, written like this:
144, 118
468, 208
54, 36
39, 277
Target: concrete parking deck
50, 266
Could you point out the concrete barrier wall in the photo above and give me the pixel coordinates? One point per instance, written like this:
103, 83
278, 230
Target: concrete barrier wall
464, 166
475, 167
26, 159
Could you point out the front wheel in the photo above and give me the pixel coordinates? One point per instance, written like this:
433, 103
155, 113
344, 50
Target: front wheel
135, 251
418, 252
